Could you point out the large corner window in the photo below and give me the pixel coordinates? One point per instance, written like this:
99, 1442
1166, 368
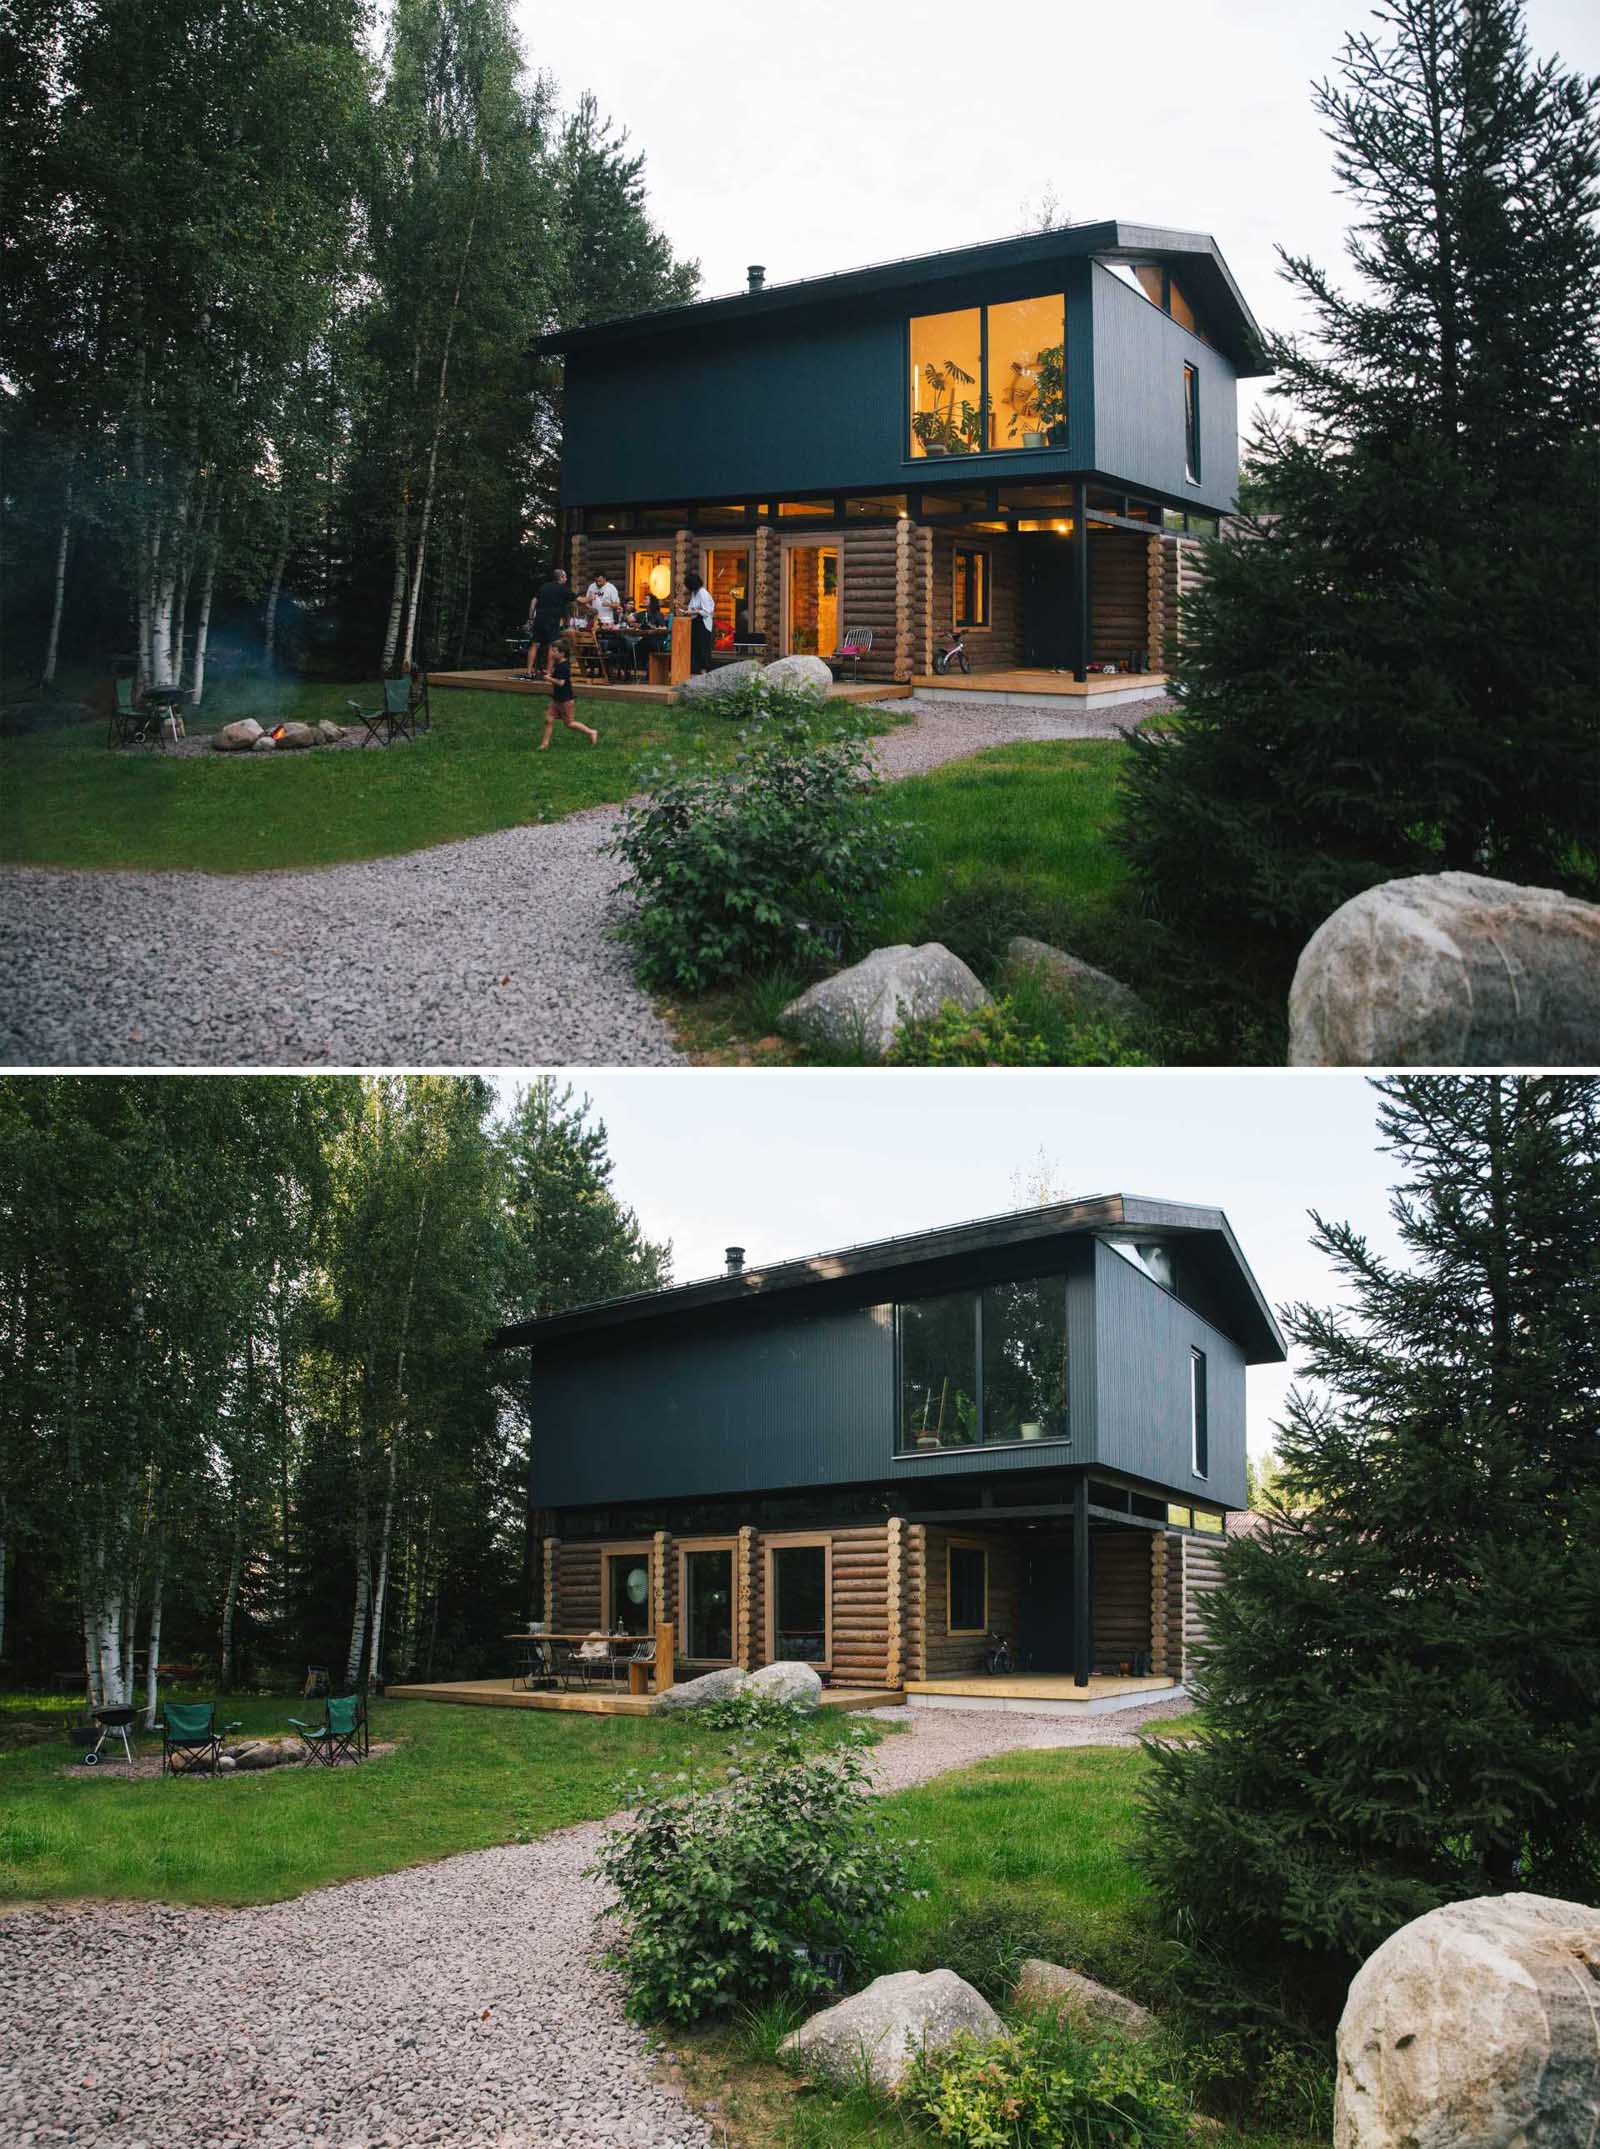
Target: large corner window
984, 1366
966, 1590
706, 1588
797, 1596
989, 378
970, 589
1199, 1427
1191, 425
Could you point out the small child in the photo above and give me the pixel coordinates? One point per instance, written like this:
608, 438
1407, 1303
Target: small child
562, 698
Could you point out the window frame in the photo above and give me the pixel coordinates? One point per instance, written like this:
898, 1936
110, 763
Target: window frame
1191, 423
829, 540
795, 1541
952, 1545
975, 1294
986, 555
741, 541
685, 1548
650, 549
1199, 1415
910, 459
628, 1549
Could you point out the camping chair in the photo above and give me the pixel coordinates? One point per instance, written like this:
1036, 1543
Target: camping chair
190, 1728
131, 721
856, 644
342, 1733
398, 716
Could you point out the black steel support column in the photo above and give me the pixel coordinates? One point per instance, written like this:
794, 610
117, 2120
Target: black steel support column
1082, 1599
1080, 581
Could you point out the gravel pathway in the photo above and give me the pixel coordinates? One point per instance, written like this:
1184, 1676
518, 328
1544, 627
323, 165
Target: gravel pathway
486, 953
455, 2005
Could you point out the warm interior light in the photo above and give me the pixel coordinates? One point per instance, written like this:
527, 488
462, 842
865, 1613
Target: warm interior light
661, 579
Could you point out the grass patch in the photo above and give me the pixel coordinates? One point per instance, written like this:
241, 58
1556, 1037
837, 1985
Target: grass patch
65, 800
1026, 1853
460, 1779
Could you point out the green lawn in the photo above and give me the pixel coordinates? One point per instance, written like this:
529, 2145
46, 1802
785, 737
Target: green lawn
65, 800
459, 1780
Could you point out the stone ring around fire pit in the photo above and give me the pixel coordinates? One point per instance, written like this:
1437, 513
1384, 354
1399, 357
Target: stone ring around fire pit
247, 736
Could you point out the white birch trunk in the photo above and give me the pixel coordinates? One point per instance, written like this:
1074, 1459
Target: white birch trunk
202, 630
231, 1599
358, 1622
152, 1670
47, 675
397, 599
433, 447
270, 616
376, 1658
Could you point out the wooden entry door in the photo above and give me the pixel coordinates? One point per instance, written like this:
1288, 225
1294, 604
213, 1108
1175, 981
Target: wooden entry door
1044, 1614
1045, 576
811, 598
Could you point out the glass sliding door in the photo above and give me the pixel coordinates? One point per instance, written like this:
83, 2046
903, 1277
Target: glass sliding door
797, 1577
628, 1592
726, 571
812, 600
708, 1604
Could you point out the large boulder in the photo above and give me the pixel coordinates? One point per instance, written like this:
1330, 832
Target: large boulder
863, 1007
1091, 2008
1450, 970
696, 1693
700, 686
801, 675
329, 732
888, 2024
298, 736
795, 1685
266, 1753
1092, 992
237, 738
266, 744
1475, 2027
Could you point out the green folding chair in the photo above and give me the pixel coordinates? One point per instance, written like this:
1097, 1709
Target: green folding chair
397, 717
191, 1738
342, 1734
131, 720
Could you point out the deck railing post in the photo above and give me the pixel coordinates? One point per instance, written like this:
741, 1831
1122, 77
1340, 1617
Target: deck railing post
665, 1673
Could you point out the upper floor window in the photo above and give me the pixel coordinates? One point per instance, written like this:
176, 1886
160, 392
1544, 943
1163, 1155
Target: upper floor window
1199, 1429
989, 378
1191, 425
984, 1366
1163, 289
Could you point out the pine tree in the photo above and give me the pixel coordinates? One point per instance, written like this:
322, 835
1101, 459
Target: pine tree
1398, 669
1402, 1677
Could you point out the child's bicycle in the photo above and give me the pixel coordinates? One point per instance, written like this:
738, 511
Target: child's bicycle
952, 657
997, 1658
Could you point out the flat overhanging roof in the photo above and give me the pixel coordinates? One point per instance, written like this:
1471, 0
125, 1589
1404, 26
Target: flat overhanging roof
777, 1286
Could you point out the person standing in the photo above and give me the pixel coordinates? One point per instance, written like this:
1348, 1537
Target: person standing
703, 614
563, 702
546, 620
602, 599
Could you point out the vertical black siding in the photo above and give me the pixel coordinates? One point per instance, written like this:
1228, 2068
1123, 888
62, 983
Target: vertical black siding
1139, 357
1144, 1338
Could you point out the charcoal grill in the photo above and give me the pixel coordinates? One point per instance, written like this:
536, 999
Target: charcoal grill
113, 1724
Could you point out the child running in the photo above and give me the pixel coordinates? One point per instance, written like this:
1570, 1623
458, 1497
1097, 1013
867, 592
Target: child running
562, 698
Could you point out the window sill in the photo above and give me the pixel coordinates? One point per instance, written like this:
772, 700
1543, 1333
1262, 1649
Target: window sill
979, 1447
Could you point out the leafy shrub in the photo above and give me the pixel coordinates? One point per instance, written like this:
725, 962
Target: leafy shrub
1041, 2086
987, 1938
778, 1881
778, 860
988, 1037
750, 1711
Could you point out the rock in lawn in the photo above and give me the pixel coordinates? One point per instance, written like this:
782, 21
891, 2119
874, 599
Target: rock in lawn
696, 1693
795, 1685
721, 681
1450, 970
1089, 2007
298, 736
1093, 992
1475, 2027
888, 2024
239, 737
801, 675
266, 744
863, 1007
330, 733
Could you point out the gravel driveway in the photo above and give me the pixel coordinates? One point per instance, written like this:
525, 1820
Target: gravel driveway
455, 2004
491, 952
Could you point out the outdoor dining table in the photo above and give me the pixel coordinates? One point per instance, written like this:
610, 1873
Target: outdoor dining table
540, 1665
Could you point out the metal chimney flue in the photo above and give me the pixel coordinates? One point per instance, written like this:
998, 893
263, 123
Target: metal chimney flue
734, 1256
757, 274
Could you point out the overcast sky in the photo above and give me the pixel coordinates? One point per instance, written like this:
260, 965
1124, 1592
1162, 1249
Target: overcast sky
795, 1163
823, 136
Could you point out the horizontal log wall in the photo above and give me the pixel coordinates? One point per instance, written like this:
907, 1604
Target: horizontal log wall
1122, 1628
997, 647
946, 1655
870, 574
1201, 1575
1181, 559
1119, 609
766, 599
861, 1605
746, 1587
577, 1606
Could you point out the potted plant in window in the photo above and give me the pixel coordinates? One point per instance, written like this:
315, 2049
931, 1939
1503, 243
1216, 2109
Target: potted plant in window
951, 425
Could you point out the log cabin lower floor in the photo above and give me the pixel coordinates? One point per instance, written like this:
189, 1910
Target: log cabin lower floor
896, 1602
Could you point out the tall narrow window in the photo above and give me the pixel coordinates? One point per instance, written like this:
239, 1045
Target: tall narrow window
967, 1590
708, 1605
971, 588
799, 1580
628, 1592
1198, 1428
1191, 425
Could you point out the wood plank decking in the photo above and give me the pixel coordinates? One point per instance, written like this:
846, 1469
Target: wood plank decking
508, 682
1038, 1693
498, 1694
1039, 685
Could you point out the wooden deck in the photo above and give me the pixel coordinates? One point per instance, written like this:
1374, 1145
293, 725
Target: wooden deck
1039, 1693
510, 682
1039, 685
498, 1694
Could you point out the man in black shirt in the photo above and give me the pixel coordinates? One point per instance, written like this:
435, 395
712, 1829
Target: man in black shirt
546, 620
